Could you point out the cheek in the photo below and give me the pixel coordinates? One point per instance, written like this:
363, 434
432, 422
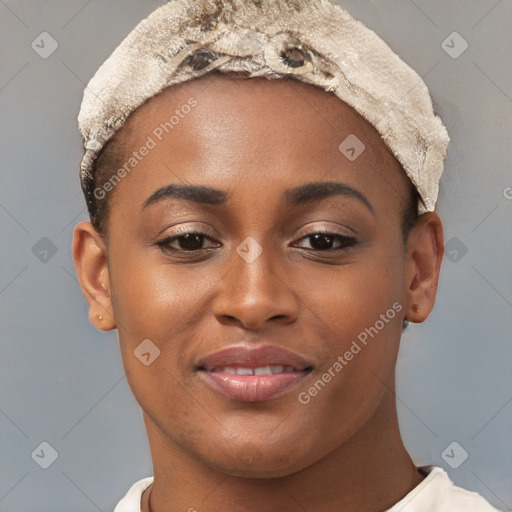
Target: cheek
166, 305
159, 302
348, 299
358, 313
154, 298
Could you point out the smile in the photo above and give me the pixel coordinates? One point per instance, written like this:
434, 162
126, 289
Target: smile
260, 370
253, 373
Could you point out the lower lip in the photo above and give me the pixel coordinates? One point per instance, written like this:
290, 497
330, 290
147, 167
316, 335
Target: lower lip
252, 388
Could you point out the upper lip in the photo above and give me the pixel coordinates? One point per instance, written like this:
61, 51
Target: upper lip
253, 357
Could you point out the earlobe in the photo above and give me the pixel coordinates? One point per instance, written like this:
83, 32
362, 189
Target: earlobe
90, 259
424, 257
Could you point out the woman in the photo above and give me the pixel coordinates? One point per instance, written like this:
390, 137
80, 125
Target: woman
261, 179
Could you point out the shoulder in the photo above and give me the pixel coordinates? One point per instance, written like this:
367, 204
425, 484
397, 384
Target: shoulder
437, 493
131, 501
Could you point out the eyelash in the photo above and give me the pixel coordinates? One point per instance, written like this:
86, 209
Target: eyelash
347, 242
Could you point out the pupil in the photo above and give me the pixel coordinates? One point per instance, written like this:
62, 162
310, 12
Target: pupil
189, 241
322, 246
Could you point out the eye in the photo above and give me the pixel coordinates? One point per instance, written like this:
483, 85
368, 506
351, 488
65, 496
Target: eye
189, 241
323, 241
192, 241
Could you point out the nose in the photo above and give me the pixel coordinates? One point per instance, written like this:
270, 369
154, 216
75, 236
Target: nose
255, 292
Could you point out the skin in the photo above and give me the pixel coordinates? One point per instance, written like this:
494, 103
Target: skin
254, 139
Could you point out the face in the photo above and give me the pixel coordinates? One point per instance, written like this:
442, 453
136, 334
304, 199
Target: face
286, 252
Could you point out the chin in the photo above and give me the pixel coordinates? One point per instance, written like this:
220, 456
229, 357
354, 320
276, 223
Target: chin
259, 462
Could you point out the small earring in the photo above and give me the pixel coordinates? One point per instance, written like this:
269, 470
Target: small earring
415, 308
99, 317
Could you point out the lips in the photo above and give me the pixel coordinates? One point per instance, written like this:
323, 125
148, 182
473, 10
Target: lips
253, 374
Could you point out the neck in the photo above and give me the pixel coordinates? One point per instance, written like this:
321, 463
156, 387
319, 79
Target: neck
371, 471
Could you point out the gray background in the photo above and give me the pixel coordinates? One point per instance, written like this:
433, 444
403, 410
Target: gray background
62, 381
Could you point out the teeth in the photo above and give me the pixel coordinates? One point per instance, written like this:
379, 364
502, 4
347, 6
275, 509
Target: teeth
244, 371
261, 370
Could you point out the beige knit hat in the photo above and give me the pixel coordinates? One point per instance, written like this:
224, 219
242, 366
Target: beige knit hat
314, 41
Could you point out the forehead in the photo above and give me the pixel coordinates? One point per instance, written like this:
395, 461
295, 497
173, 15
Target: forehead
226, 100
280, 131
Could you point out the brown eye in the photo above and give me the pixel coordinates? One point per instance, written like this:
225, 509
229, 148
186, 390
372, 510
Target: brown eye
186, 242
326, 242
191, 242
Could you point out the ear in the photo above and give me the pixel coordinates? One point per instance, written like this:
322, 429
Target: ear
90, 259
425, 250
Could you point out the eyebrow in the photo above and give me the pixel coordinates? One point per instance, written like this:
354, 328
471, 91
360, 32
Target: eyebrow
303, 194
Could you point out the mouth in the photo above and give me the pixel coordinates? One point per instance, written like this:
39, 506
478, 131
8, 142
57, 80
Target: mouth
253, 374
260, 370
